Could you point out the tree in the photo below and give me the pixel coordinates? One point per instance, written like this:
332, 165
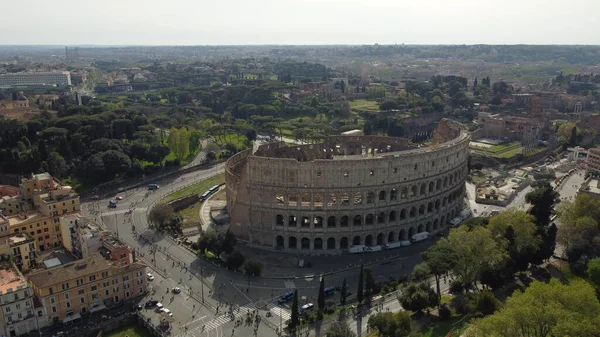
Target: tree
485, 302
573, 138
579, 231
593, 271
217, 241
160, 215
369, 281
420, 272
321, 298
359, 291
418, 296
440, 258
525, 238
552, 309
195, 141
295, 316
57, 165
343, 293
542, 200
235, 260
253, 267
390, 324
340, 329
388, 106
476, 250
179, 142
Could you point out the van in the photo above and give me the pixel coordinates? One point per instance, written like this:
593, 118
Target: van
153, 187
420, 237
286, 297
112, 204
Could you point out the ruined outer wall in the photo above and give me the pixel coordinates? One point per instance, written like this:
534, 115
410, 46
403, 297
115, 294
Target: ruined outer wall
332, 204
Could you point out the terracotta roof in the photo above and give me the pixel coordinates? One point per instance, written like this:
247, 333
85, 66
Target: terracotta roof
71, 271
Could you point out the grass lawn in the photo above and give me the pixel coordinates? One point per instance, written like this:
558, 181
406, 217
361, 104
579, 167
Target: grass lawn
505, 150
191, 214
232, 138
441, 329
510, 153
130, 330
363, 104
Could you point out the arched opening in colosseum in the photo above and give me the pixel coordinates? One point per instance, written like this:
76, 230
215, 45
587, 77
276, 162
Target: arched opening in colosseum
423, 188
358, 197
279, 220
421, 209
402, 235
428, 227
421, 228
435, 224
293, 200
443, 221
279, 242
318, 244
392, 217
380, 239
382, 196
452, 213
331, 222
369, 219
331, 243
344, 222
429, 207
381, 218
391, 237
393, 194
411, 232
430, 186
292, 242
305, 243
318, 221
356, 241
357, 220
404, 192
413, 212
292, 221
279, 198
444, 201
305, 222
369, 240
438, 184
305, 200
344, 243
445, 181
451, 179
437, 204
413, 191
345, 199
318, 199
370, 197
332, 200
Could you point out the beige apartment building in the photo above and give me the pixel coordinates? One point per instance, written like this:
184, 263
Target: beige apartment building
86, 285
593, 161
18, 314
22, 248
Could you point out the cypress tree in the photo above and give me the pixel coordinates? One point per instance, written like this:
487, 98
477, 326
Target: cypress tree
295, 317
343, 294
359, 292
321, 298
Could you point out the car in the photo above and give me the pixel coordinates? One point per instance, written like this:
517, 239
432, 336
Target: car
138, 307
167, 312
176, 290
307, 307
118, 197
151, 303
150, 277
159, 307
95, 197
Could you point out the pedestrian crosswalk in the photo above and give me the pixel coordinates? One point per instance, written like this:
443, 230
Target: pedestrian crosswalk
218, 321
279, 311
123, 211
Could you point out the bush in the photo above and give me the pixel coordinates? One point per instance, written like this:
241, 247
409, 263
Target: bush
444, 312
235, 260
485, 302
253, 267
461, 304
456, 287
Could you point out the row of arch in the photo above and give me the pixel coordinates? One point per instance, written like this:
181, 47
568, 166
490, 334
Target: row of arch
359, 198
344, 242
369, 219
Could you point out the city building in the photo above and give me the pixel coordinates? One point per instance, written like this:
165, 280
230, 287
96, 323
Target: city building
17, 304
347, 191
593, 160
88, 285
23, 249
115, 250
62, 79
87, 238
512, 128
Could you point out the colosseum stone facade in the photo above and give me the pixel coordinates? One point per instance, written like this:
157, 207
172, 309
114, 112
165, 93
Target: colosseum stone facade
347, 190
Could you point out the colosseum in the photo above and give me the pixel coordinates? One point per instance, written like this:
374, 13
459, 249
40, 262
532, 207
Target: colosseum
347, 190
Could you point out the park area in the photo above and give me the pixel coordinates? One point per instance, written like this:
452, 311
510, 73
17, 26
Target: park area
191, 215
504, 150
128, 331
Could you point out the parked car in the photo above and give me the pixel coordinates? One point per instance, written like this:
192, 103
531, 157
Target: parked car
151, 303
118, 197
176, 290
150, 277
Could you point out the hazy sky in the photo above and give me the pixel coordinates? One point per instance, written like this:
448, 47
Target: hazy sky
214, 22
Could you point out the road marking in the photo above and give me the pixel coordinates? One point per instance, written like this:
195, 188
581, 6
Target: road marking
289, 284
219, 321
123, 211
279, 311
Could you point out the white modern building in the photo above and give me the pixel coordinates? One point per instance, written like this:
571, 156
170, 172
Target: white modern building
18, 314
62, 79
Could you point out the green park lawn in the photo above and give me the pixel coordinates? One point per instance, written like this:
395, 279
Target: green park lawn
364, 105
129, 331
191, 215
456, 324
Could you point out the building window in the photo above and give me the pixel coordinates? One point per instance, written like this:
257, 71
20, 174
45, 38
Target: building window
9, 318
82, 300
16, 296
50, 291
106, 292
52, 300
104, 274
19, 315
68, 304
18, 306
65, 286
7, 309
66, 296
94, 288
92, 278
81, 291
40, 313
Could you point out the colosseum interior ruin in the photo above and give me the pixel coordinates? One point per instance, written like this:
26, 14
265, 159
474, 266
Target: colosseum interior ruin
347, 190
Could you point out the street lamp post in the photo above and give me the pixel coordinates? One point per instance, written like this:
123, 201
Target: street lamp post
202, 282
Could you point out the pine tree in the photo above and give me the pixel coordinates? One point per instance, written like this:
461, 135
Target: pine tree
321, 298
343, 294
359, 292
295, 317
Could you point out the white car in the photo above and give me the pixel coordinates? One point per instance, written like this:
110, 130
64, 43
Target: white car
167, 311
150, 277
